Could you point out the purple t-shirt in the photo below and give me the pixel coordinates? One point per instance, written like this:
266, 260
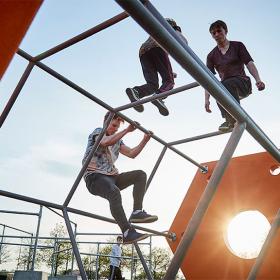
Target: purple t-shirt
230, 64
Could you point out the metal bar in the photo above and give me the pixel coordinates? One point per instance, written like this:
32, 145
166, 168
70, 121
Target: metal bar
104, 105
74, 245
204, 202
182, 54
72, 253
26, 245
36, 238
77, 211
2, 239
194, 138
17, 229
97, 262
89, 157
60, 215
157, 96
20, 213
16, 93
147, 271
156, 167
82, 36
266, 246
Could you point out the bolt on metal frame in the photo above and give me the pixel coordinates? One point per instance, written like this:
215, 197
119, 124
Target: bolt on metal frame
150, 19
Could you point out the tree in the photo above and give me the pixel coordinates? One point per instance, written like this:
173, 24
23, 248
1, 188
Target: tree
4, 253
62, 256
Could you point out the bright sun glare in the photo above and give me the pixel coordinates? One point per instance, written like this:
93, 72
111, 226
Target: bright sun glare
246, 233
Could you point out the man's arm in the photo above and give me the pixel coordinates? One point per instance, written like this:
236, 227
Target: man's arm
254, 72
207, 102
109, 140
134, 152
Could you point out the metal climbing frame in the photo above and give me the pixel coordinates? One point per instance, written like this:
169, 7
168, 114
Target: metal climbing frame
145, 14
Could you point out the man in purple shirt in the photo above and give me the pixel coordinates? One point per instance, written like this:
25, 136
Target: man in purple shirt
228, 59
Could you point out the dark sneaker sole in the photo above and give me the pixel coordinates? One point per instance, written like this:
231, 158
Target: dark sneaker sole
144, 220
129, 93
223, 129
162, 110
141, 237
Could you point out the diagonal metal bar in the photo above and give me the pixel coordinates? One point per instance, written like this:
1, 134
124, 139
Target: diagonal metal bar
156, 167
85, 165
16, 92
158, 96
147, 271
182, 54
74, 245
16, 229
104, 105
82, 36
77, 211
194, 138
204, 202
259, 261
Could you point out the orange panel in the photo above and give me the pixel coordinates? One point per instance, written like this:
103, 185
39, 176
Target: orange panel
246, 185
15, 18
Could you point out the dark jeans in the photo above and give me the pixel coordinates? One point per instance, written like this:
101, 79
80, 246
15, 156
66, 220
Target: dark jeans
115, 273
155, 61
109, 187
238, 87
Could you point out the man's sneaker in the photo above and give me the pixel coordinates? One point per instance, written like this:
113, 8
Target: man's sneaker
142, 217
226, 126
133, 96
161, 107
133, 236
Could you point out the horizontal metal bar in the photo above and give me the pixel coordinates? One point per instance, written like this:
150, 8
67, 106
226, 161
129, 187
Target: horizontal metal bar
194, 138
104, 105
26, 245
157, 96
82, 36
76, 211
18, 212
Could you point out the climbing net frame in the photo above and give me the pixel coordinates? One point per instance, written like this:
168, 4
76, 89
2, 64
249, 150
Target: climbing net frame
147, 16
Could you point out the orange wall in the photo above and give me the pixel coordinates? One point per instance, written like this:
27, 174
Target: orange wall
15, 18
246, 185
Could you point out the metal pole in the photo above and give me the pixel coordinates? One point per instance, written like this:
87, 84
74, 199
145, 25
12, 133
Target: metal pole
72, 256
156, 167
54, 256
16, 92
157, 96
147, 271
150, 247
17, 229
132, 261
77, 211
182, 54
204, 202
36, 238
82, 36
97, 262
272, 233
17, 212
30, 252
89, 157
74, 245
194, 138
2, 239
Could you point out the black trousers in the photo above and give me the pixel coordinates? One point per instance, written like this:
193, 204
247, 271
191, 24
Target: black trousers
109, 187
238, 87
155, 61
115, 273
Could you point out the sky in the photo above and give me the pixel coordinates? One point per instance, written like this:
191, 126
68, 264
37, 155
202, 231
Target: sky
45, 135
